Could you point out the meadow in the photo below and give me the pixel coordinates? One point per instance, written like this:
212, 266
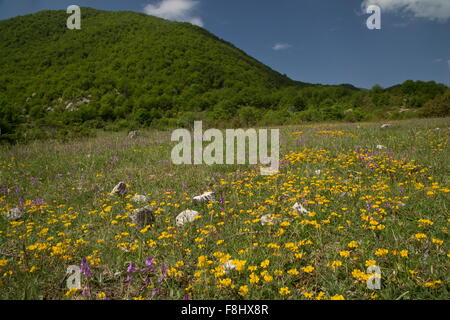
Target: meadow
373, 197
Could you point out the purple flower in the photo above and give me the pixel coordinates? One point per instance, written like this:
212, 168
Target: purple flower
132, 268
155, 291
150, 263
186, 297
164, 273
85, 270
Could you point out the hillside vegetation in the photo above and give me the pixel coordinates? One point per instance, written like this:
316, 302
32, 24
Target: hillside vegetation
126, 69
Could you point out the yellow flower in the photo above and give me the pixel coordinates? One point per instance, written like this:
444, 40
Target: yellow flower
437, 241
308, 269
335, 264
293, 272
254, 278
279, 273
344, 254
243, 290
101, 295
3, 263
265, 264
420, 236
337, 297
381, 252
298, 255
284, 291
353, 244
268, 278
433, 284
404, 253
225, 282
71, 292
370, 263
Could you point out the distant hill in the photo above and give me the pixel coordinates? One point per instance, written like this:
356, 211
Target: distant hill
125, 69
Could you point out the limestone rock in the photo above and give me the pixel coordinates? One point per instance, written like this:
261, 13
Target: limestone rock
266, 219
185, 217
138, 198
229, 266
120, 189
143, 217
15, 214
206, 197
299, 208
133, 134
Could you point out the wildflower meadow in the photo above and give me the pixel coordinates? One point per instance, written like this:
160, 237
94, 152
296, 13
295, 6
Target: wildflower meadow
368, 196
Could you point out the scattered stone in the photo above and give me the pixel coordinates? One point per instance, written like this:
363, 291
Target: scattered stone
229, 266
206, 197
386, 125
185, 217
133, 134
120, 189
70, 106
266, 219
143, 217
138, 198
15, 214
299, 208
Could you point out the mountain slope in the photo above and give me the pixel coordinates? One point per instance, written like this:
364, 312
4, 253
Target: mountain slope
128, 69
121, 54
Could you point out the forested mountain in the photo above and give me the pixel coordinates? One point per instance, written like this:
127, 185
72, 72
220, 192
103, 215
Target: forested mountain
127, 69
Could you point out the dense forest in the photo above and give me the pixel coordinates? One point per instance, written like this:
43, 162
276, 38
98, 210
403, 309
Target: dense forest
126, 70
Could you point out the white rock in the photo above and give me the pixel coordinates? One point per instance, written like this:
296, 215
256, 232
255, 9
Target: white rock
206, 197
381, 147
133, 134
15, 214
299, 208
139, 198
229, 265
120, 189
266, 219
386, 125
143, 217
185, 217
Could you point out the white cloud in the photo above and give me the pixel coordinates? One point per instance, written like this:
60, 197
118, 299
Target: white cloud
429, 9
281, 46
177, 10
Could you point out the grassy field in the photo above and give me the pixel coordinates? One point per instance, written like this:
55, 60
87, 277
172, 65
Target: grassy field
367, 206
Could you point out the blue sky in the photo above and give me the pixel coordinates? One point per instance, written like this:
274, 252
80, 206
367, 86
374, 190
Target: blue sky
317, 41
